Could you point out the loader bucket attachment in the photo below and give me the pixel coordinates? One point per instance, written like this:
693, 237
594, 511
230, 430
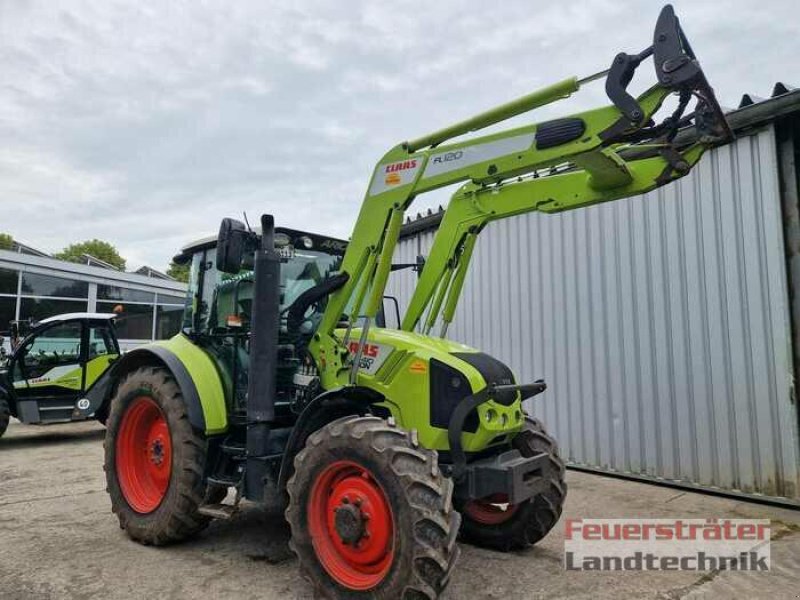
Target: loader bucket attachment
677, 70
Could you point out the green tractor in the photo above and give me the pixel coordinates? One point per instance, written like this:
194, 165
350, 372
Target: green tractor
383, 445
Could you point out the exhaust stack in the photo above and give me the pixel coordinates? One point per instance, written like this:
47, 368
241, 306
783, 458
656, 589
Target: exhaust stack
265, 323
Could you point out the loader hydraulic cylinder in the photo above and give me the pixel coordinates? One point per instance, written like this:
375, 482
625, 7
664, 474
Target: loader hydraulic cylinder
551, 93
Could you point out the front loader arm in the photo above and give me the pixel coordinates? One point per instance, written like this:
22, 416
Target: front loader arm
407, 171
473, 206
595, 156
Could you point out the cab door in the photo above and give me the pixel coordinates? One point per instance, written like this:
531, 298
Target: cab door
47, 372
102, 349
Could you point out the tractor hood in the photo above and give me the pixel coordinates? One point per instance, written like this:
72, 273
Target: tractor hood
390, 346
383, 344
423, 379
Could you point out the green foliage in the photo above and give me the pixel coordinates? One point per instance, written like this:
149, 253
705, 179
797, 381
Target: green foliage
97, 248
178, 272
6, 241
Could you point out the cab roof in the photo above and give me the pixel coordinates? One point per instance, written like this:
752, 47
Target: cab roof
321, 241
78, 315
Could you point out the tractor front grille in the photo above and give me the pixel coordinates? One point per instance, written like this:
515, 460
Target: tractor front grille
493, 372
448, 387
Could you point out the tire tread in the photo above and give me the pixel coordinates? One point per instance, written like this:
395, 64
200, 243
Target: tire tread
428, 492
177, 518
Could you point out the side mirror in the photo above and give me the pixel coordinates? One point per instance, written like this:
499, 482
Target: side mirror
389, 314
231, 245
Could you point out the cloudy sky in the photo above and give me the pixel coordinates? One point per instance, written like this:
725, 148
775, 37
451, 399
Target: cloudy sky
145, 123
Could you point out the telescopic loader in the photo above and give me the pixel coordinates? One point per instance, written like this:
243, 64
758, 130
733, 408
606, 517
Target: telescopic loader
384, 444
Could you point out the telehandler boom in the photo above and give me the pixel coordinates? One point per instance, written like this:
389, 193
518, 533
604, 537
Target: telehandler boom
383, 445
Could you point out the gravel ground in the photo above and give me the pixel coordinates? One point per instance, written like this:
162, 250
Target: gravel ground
58, 539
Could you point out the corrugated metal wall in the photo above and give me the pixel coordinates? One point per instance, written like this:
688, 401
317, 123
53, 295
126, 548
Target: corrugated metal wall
660, 323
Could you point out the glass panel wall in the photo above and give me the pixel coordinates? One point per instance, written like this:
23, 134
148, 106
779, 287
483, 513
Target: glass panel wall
134, 321
8, 307
142, 315
113, 292
46, 295
41, 308
8, 281
34, 284
164, 299
8, 299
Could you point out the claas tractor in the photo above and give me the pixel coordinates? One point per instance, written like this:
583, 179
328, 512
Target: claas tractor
384, 445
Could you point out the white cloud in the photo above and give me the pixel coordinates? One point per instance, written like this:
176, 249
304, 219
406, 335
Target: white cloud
145, 123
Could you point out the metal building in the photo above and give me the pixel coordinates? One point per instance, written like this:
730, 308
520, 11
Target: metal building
663, 323
35, 286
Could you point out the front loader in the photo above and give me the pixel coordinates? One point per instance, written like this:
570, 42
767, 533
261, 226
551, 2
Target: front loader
383, 445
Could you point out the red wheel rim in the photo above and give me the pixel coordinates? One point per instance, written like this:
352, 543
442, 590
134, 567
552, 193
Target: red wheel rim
493, 510
351, 525
143, 455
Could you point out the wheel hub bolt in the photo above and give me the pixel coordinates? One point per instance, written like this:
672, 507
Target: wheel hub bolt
350, 523
157, 452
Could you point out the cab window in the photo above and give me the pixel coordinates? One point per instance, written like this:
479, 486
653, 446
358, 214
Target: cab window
303, 271
101, 342
54, 347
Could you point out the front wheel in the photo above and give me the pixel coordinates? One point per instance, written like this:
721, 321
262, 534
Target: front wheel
496, 524
371, 513
5, 415
154, 460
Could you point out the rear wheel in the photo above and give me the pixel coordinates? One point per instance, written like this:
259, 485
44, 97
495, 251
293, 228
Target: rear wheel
5, 415
494, 523
371, 513
154, 460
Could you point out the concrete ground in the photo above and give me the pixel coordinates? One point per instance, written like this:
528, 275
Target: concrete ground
58, 539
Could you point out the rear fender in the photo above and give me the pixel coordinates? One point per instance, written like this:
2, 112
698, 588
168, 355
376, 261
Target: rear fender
194, 372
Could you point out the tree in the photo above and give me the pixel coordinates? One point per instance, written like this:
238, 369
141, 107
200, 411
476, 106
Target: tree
6, 241
179, 272
97, 248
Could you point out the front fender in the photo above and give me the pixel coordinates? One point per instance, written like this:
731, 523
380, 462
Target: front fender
325, 408
195, 374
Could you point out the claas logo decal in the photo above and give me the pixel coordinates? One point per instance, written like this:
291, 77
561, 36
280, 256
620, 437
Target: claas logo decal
372, 356
370, 350
393, 171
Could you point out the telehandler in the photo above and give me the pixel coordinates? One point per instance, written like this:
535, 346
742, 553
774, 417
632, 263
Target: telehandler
384, 445
59, 370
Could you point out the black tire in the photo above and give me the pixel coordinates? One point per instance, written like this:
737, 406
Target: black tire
101, 416
533, 519
424, 523
176, 517
5, 415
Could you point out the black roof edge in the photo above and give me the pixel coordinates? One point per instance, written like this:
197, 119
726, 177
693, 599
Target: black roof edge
785, 100
429, 221
210, 242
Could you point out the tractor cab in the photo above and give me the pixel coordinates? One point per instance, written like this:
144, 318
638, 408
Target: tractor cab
55, 370
223, 300
219, 311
